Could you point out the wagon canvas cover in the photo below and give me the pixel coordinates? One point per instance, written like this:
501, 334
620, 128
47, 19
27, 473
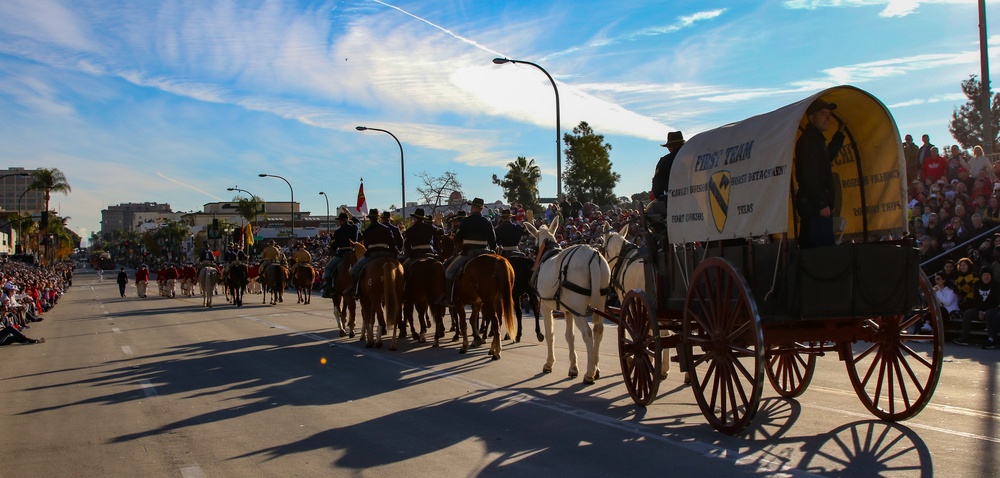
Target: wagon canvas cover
738, 180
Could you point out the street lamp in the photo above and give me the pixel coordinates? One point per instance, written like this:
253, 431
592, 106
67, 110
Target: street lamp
253, 199
402, 163
501, 61
327, 211
291, 204
19, 227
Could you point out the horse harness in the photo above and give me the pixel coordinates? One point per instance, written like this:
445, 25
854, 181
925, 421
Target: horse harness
628, 255
564, 282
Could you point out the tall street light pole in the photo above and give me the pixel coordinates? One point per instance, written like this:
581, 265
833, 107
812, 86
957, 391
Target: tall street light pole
501, 61
327, 212
291, 204
19, 231
253, 199
402, 164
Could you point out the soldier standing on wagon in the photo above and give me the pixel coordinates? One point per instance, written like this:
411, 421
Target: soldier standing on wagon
814, 174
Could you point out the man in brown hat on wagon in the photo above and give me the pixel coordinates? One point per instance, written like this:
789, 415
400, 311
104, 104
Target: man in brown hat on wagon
661, 177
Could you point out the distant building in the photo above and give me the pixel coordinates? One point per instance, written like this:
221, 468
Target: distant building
14, 188
123, 216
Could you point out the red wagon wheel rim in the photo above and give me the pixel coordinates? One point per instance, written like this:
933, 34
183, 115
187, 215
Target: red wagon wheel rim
790, 368
723, 345
896, 373
639, 348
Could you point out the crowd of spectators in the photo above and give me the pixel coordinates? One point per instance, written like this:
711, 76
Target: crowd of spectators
28, 292
954, 207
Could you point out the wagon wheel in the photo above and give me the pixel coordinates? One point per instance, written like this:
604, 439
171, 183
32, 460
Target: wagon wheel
639, 348
790, 368
896, 374
723, 345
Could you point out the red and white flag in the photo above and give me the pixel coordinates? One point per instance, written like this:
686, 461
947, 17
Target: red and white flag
362, 203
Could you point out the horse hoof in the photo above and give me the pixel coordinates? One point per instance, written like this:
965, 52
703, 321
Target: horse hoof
351, 335
546, 369
573, 374
392, 348
369, 345
597, 375
588, 381
541, 338
343, 334
495, 357
463, 350
378, 345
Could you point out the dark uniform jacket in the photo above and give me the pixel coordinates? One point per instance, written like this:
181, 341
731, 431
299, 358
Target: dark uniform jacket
342, 238
661, 177
421, 234
378, 239
397, 237
814, 170
476, 229
509, 235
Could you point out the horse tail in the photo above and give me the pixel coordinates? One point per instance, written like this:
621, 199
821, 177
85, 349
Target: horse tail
600, 280
390, 277
505, 287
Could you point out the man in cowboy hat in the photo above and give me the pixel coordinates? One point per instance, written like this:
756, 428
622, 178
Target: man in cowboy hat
271, 254
420, 238
300, 257
509, 234
661, 177
397, 237
340, 247
377, 239
477, 236
814, 199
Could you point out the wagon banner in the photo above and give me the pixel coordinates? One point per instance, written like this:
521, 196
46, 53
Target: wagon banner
738, 180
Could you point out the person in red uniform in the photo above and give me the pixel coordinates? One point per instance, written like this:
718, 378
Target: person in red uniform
141, 280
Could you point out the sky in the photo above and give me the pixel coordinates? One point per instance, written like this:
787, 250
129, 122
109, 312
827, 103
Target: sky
175, 101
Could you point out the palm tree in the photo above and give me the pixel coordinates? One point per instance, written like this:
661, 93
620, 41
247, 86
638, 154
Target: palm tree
49, 181
520, 184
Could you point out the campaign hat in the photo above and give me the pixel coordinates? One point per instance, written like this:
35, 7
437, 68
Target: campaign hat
818, 105
674, 138
505, 213
477, 202
342, 216
373, 213
418, 214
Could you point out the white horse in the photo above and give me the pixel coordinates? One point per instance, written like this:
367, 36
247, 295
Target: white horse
628, 273
575, 281
207, 278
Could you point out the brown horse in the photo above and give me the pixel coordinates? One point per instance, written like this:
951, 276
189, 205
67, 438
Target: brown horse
487, 280
305, 275
343, 304
381, 287
424, 285
274, 277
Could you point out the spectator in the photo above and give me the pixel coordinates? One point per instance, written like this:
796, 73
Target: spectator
965, 282
911, 152
986, 299
122, 281
934, 166
947, 296
980, 164
925, 149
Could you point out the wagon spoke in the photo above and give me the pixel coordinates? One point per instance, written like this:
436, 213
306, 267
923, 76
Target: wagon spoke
708, 374
871, 368
732, 394
900, 380
905, 325
747, 325
746, 373
881, 362
915, 355
739, 383
715, 388
864, 354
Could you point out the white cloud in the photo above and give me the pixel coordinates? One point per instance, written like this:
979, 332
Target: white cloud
893, 8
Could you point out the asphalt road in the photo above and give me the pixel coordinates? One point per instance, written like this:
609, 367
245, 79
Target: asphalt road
163, 387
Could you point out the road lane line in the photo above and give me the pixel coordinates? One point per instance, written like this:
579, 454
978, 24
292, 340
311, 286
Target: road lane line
192, 471
127, 350
148, 388
939, 407
908, 424
755, 461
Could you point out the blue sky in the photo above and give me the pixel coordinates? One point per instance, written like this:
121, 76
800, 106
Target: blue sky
174, 101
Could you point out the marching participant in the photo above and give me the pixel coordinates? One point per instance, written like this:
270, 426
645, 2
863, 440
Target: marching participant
340, 247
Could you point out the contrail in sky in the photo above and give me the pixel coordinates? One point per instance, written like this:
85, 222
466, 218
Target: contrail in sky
459, 37
188, 186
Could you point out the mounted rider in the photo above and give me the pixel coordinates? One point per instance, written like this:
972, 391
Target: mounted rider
340, 247
377, 239
271, 255
207, 258
421, 237
231, 257
301, 257
477, 237
509, 235
397, 237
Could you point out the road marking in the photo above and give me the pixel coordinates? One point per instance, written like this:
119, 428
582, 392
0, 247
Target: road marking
909, 424
755, 461
192, 471
116, 330
148, 388
127, 349
941, 408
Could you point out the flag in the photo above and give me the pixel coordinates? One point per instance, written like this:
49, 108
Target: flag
362, 203
248, 234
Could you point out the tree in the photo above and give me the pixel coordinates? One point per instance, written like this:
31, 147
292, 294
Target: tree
49, 181
967, 121
520, 184
437, 189
588, 166
249, 209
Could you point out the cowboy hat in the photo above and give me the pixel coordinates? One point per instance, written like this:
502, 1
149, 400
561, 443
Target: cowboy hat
418, 213
505, 213
478, 202
342, 216
386, 215
818, 105
373, 213
674, 138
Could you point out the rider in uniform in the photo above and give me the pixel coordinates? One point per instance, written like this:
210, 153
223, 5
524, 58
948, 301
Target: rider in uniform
230, 256
397, 237
207, 258
377, 239
340, 248
509, 235
300, 257
477, 237
420, 239
271, 254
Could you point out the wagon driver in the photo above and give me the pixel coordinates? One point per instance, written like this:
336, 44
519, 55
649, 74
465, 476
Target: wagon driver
814, 174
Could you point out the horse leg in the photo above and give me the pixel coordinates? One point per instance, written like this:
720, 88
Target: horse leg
574, 367
536, 307
338, 316
550, 345
463, 327
590, 341
494, 320
351, 308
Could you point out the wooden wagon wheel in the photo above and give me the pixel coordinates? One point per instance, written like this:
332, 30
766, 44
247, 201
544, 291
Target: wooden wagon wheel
723, 345
790, 368
896, 374
639, 348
